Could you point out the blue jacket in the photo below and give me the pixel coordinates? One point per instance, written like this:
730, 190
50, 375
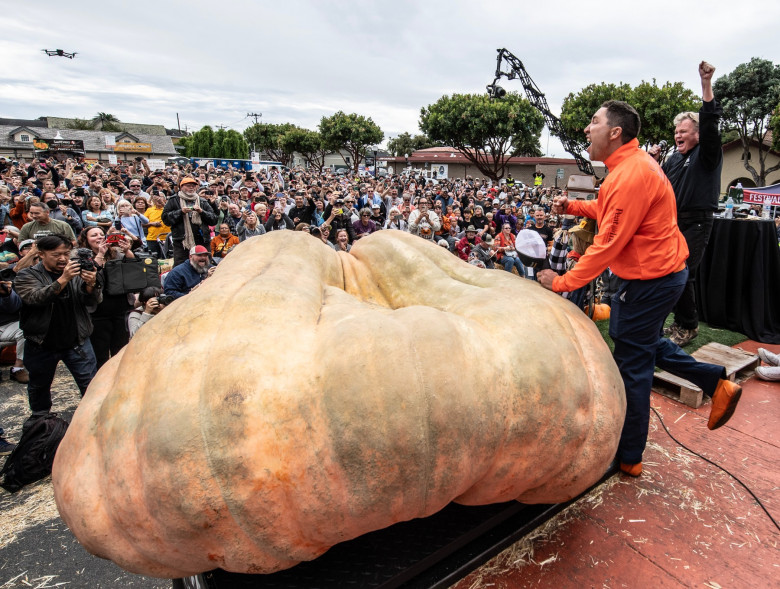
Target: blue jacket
182, 279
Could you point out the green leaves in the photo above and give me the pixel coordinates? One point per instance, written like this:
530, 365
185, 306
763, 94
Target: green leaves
749, 95
487, 132
267, 138
657, 107
224, 144
405, 143
352, 133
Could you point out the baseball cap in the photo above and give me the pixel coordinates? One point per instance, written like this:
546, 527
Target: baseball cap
188, 181
198, 249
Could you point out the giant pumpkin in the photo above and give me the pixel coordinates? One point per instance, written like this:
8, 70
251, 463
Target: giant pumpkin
302, 397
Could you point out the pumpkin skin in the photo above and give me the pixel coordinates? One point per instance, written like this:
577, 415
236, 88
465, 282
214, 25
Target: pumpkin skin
346, 392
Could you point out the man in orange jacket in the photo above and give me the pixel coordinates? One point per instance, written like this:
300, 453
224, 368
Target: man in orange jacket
639, 240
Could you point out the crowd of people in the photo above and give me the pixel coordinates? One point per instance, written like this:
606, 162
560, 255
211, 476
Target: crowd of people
65, 221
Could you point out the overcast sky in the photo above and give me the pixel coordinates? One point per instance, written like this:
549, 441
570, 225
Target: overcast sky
296, 60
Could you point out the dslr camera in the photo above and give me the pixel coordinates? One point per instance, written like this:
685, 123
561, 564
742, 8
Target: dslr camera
85, 259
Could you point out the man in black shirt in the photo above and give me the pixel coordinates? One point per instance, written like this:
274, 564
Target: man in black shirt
694, 172
57, 297
541, 227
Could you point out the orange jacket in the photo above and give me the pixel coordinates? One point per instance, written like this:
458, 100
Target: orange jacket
217, 243
637, 217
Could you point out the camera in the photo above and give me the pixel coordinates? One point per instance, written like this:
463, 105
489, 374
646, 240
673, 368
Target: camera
114, 238
138, 158
79, 191
86, 260
7, 275
165, 299
118, 224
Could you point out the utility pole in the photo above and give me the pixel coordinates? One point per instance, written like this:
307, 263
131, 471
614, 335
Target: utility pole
220, 126
254, 115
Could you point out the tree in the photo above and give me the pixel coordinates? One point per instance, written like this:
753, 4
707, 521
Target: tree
487, 132
266, 138
405, 143
81, 124
200, 143
352, 133
104, 121
578, 109
749, 95
222, 144
774, 125
308, 144
234, 146
657, 107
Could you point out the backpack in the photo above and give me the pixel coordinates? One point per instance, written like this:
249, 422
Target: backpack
33, 456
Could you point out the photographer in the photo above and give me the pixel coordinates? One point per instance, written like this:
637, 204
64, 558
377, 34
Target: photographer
109, 329
338, 216
57, 296
150, 302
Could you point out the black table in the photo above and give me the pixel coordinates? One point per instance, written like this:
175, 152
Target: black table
738, 285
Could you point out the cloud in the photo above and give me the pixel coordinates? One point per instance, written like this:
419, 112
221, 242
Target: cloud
300, 60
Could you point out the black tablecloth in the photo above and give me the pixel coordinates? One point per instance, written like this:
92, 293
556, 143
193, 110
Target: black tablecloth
738, 285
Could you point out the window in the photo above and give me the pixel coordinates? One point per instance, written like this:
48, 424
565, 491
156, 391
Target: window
24, 138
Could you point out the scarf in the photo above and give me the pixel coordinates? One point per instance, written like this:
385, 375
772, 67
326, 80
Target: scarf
194, 218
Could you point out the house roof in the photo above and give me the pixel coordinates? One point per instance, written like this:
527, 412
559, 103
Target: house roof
23, 122
94, 141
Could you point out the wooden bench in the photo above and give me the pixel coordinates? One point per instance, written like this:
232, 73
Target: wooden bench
738, 363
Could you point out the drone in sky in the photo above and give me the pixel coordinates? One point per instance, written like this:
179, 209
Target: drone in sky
59, 53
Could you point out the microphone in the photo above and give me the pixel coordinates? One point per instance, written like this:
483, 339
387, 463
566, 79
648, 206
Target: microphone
662, 144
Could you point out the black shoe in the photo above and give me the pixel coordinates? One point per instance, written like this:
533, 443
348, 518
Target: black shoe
6, 447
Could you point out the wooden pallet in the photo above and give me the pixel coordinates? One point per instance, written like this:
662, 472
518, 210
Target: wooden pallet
739, 365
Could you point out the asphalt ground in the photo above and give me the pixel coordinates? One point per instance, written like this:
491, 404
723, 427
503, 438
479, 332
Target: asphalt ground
37, 550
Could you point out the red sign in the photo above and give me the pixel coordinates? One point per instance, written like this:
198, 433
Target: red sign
757, 198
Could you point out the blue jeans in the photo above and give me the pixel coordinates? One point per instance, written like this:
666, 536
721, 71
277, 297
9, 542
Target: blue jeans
639, 309
41, 364
508, 262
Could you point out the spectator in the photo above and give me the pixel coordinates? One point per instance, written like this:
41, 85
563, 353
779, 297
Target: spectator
423, 222
56, 299
396, 221
42, 224
278, 220
109, 326
189, 217
467, 243
506, 253
540, 226
342, 241
223, 242
150, 302
185, 278
10, 332
364, 226
131, 223
156, 228
484, 251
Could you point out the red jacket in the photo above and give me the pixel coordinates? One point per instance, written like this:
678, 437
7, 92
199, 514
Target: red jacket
637, 217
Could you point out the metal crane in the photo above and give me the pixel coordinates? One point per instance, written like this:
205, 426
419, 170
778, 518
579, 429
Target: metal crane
538, 101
